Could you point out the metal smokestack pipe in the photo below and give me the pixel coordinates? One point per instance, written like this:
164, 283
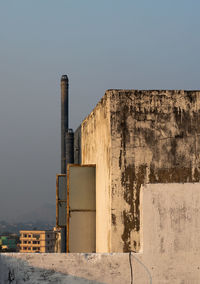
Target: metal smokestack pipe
64, 120
69, 139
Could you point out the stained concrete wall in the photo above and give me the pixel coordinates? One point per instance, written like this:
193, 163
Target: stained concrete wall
135, 138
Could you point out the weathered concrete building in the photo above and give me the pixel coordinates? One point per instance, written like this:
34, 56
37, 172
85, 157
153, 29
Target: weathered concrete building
136, 138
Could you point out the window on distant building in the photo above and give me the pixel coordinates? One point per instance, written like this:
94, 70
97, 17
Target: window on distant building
37, 236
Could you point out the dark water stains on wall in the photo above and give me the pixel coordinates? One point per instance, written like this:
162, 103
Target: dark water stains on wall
131, 181
113, 219
173, 175
168, 124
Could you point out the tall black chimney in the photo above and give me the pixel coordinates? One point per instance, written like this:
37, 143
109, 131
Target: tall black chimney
64, 120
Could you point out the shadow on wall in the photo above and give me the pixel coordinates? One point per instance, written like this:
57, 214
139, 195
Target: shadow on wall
18, 271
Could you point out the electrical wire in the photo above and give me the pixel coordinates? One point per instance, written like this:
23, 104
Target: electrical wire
131, 268
140, 262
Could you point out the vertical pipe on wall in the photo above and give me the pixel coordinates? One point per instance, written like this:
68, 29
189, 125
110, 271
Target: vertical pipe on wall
69, 139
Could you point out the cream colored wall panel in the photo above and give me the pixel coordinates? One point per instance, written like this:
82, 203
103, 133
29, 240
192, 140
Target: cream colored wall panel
81, 231
81, 208
82, 186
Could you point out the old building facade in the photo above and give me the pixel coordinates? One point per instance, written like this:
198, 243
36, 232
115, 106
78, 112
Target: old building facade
37, 241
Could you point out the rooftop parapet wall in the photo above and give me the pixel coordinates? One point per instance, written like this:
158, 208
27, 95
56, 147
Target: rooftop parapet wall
150, 137
170, 226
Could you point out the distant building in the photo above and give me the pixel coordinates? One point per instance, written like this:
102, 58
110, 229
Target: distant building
8, 242
37, 241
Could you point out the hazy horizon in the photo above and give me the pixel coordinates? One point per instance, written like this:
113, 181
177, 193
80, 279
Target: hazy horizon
100, 45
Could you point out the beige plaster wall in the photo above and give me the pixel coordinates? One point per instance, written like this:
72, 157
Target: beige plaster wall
96, 149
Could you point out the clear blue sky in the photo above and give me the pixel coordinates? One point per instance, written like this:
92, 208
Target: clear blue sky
101, 45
